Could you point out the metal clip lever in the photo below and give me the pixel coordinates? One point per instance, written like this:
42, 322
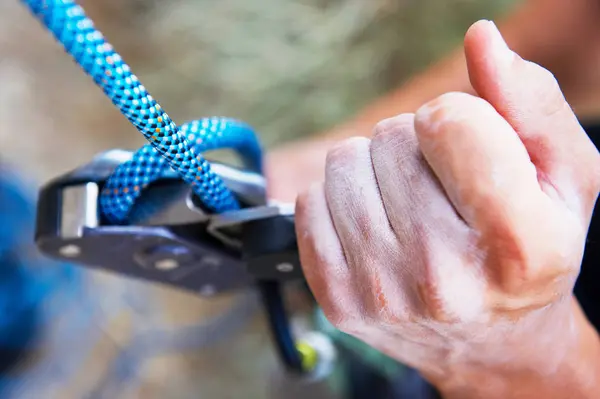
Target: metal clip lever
266, 238
178, 244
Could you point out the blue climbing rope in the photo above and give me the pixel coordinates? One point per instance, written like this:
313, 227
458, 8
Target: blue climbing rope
171, 146
147, 165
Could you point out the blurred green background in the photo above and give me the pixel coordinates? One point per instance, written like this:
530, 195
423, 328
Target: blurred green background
288, 67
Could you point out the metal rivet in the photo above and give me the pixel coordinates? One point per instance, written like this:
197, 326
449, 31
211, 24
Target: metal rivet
284, 267
70, 251
166, 264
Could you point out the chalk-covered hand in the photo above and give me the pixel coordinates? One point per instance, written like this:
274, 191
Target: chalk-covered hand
452, 239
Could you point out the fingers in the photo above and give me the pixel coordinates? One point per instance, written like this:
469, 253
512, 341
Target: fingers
322, 257
411, 193
479, 160
431, 235
360, 220
355, 202
530, 99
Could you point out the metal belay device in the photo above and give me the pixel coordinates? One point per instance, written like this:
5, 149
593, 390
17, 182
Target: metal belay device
165, 214
173, 241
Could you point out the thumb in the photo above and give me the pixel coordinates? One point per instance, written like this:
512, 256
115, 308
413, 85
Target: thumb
530, 99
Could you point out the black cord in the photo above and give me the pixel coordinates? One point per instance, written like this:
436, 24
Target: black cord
280, 326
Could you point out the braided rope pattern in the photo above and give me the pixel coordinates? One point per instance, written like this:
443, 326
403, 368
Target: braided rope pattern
76, 32
129, 179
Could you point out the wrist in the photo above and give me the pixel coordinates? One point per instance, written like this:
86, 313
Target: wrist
560, 365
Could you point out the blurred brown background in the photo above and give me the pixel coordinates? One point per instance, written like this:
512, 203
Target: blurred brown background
290, 68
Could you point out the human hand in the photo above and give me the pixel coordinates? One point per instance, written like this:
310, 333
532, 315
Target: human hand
452, 240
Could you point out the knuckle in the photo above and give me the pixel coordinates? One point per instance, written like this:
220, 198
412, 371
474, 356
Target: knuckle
448, 108
391, 127
393, 133
346, 152
345, 160
454, 101
455, 97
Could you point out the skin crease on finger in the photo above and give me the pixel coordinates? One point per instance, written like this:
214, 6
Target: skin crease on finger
439, 246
